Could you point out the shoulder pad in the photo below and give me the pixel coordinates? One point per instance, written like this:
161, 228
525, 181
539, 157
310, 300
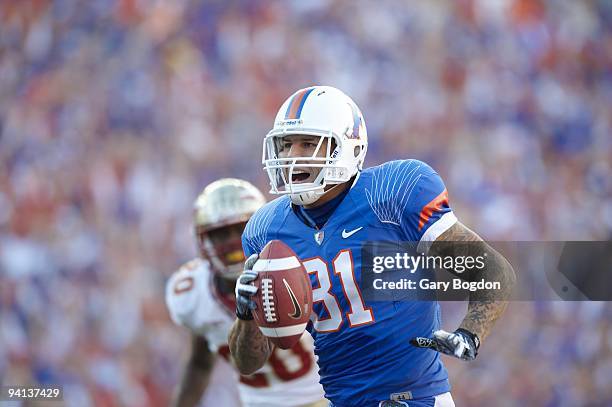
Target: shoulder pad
188, 295
391, 187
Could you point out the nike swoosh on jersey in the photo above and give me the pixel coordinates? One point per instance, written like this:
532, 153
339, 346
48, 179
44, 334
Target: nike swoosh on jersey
346, 234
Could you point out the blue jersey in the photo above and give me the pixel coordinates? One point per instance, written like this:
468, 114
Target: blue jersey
363, 347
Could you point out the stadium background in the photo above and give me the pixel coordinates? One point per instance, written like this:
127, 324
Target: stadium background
114, 114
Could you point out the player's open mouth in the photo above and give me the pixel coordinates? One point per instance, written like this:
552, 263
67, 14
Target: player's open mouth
299, 176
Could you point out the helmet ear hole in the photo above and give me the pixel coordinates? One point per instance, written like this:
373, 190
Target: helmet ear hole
357, 151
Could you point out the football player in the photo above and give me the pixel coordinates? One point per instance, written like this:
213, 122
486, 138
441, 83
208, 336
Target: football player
377, 353
200, 296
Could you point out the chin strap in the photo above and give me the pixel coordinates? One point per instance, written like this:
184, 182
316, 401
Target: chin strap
305, 198
298, 199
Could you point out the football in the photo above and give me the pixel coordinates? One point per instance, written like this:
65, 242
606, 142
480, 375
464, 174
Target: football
284, 295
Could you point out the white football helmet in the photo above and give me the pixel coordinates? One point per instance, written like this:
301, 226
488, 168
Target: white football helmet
330, 114
224, 203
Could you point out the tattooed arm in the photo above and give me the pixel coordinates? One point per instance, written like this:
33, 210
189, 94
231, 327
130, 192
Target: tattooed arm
249, 347
484, 308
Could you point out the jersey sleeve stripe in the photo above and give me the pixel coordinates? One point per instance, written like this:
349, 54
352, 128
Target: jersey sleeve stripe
436, 204
442, 225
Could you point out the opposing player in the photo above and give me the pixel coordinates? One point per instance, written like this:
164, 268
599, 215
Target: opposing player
331, 205
200, 296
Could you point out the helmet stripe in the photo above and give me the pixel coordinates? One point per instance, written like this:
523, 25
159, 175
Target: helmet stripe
297, 103
356, 122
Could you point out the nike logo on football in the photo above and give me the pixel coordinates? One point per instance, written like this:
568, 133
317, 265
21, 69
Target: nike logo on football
297, 311
346, 234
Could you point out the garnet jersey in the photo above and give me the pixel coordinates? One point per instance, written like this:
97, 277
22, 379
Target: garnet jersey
363, 347
289, 377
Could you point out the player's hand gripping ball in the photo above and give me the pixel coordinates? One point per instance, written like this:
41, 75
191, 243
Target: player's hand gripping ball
284, 295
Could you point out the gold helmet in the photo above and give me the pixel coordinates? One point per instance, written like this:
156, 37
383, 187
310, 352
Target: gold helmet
221, 212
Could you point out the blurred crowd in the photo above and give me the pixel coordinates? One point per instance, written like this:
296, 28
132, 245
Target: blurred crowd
114, 114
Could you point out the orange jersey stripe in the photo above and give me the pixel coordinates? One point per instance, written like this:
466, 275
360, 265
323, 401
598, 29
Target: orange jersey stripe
435, 205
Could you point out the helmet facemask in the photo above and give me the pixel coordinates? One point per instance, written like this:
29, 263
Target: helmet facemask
284, 172
222, 247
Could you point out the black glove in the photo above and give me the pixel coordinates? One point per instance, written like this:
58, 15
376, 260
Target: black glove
461, 344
